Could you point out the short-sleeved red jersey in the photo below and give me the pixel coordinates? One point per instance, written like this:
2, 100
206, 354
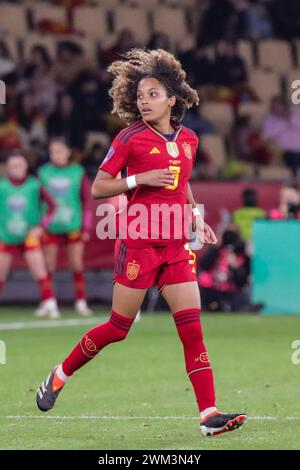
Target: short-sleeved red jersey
140, 148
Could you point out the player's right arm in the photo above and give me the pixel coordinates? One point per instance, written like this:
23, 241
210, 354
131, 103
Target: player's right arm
107, 185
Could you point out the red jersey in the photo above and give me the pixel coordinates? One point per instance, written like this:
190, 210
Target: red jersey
140, 148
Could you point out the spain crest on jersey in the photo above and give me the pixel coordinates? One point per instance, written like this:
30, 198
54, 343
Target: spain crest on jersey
187, 150
132, 271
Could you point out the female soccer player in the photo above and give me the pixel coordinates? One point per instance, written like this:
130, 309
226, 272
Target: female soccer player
21, 226
71, 224
149, 90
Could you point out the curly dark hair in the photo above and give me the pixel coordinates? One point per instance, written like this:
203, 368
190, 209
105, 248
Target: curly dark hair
139, 64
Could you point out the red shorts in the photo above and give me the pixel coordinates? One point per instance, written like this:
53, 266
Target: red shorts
163, 265
58, 238
30, 244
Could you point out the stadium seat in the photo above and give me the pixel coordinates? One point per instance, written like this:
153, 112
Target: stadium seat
256, 112
171, 21
265, 83
135, 19
45, 11
13, 19
93, 138
214, 145
245, 50
274, 173
220, 114
92, 21
275, 54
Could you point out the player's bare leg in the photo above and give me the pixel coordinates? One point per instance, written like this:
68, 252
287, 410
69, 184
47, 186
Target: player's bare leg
36, 263
125, 305
184, 302
127, 300
50, 253
5, 264
75, 252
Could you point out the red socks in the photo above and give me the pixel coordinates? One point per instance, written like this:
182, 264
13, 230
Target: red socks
46, 288
196, 358
116, 329
190, 332
78, 279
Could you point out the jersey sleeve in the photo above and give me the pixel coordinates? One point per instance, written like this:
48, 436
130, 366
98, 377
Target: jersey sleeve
116, 158
196, 145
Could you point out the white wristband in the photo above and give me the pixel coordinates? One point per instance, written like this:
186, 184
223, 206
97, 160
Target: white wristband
195, 211
131, 182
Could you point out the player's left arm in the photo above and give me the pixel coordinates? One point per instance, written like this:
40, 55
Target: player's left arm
46, 197
198, 224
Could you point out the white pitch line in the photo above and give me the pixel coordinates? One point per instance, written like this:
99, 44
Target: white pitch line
48, 324
87, 417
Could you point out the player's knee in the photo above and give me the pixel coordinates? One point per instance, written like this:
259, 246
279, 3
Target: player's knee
120, 326
120, 335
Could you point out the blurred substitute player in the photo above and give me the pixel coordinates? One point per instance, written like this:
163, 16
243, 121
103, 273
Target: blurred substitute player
70, 188
21, 226
150, 91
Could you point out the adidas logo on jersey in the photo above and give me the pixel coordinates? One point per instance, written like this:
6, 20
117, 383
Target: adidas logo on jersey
154, 151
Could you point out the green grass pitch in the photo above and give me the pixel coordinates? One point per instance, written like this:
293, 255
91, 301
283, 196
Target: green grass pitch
136, 395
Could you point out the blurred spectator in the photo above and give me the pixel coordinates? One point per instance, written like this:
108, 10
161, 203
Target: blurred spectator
213, 26
285, 18
249, 145
282, 128
7, 66
244, 217
203, 68
229, 68
31, 122
94, 159
39, 59
230, 76
197, 122
91, 101
10, 136
204, 168
223, 278
70, 61
125, 41
258, 21
39, 82
289, 203
159, 40
66, 122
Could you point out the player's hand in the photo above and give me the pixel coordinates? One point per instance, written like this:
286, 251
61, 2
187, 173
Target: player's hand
158, 178
36, 232
85, 236
204, 231
209, 235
